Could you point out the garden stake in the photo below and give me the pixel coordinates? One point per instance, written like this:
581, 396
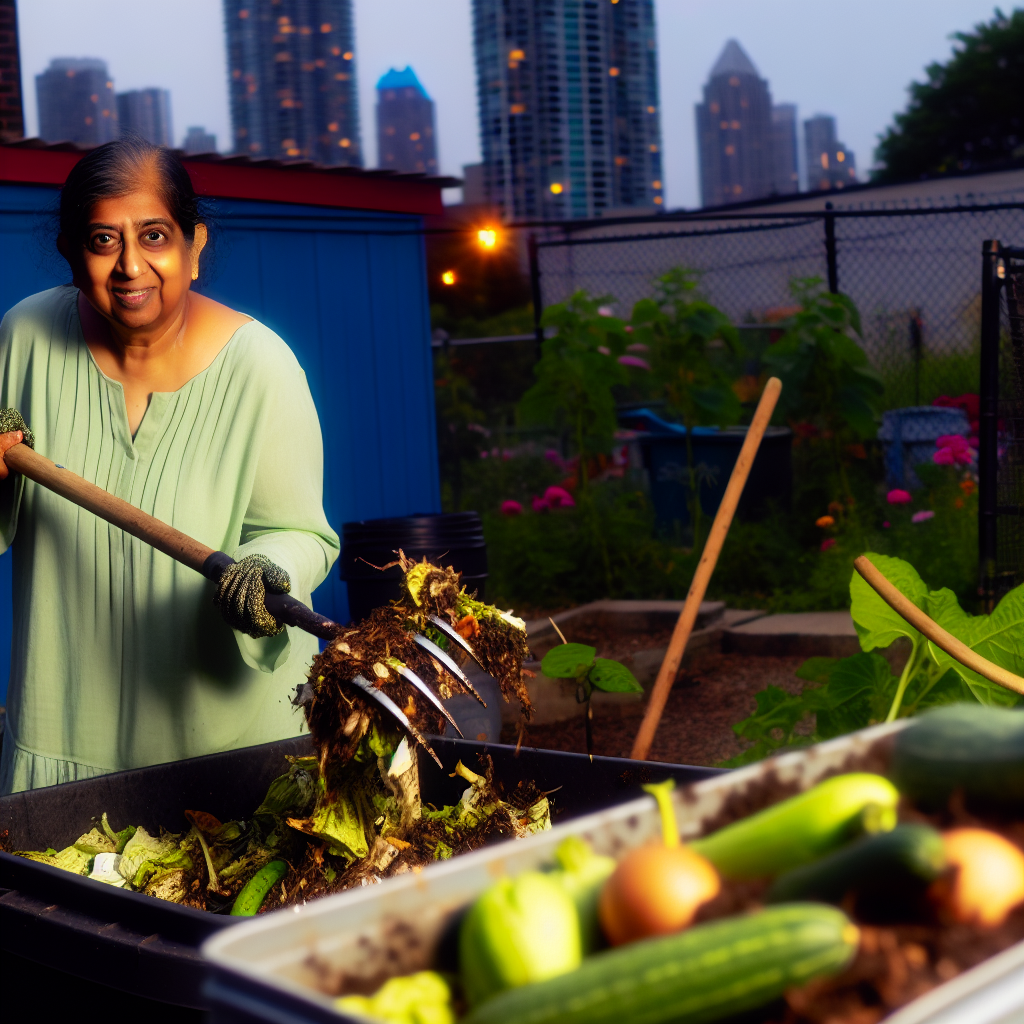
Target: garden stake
927, 626
705, 567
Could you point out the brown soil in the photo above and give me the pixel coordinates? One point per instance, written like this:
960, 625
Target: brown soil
696, 727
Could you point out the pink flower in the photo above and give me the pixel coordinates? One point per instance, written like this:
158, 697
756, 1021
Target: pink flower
885, 525
628, 329
511, 508
485, 454
921, 517
826, 544
954, 441
898, 497
539, 504
944, 457
604, 310
555, 458
636, 361
637, 346
604, 350
558, 497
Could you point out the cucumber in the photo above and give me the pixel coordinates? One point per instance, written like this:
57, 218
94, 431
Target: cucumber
898, 864
972, 747
802, 828
702, 974
254, 892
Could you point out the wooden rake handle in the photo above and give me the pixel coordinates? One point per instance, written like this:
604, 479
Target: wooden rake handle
706, 566
928, 627
179, 546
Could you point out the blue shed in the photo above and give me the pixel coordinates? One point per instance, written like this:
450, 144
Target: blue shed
333, 261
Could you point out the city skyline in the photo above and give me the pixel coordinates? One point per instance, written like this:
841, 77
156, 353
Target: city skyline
406, 132
863, 83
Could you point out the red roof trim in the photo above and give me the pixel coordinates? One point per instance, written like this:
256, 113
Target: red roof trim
308, 186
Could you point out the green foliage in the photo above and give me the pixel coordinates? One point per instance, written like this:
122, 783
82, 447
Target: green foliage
969, 112
574, 378
456, 415
853, 693
578, 661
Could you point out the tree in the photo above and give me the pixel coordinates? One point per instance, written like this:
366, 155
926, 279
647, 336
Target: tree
969, 114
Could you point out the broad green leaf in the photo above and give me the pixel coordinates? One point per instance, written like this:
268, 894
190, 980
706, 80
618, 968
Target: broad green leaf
876, 623
771, 726
998, 637
817, 670
859, 692
613, 677
567, 661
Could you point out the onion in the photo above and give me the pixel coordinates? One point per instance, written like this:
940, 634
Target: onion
987, 881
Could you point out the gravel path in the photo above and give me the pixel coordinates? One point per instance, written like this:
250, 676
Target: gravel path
696, 727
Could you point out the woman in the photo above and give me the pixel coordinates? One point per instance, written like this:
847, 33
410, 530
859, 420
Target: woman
191, 411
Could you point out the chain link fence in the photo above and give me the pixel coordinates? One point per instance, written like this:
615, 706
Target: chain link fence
912, 273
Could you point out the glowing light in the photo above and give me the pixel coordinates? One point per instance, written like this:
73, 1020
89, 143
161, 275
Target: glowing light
516, 55
556, 188
824, 161
657, 200
415, 137
840, 156
344, 143
325, 27
655, 184
517, 108
487, 237
614, 72
650, 110
347, 55
448, 277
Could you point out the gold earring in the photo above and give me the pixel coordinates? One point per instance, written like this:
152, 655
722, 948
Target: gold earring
195, 273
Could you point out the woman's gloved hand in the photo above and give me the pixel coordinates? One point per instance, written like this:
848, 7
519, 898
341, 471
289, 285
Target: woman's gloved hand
241, 591
12, 421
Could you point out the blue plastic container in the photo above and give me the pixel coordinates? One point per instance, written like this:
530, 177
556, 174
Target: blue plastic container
909, 435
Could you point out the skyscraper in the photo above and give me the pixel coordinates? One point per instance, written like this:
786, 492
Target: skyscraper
146, 112
829, 163
76, 102
734, 131
292, 80
199, 140
12, 115
405, 124
785, 158
568, 101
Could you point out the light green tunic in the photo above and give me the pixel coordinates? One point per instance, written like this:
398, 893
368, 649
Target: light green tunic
119, 657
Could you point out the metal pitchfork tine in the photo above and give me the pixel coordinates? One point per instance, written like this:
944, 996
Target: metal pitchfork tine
435, 652
454, 634
404, 670
386, 702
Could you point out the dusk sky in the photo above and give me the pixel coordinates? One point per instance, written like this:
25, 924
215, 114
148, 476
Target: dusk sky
854, 61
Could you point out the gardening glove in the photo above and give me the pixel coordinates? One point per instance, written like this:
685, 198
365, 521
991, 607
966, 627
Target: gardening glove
241, 591
11, 419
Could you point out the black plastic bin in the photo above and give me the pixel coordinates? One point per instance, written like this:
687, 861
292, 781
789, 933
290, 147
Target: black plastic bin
456, 538
149, 948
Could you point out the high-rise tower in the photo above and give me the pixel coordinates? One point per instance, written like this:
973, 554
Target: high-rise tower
829, 163
12, 114
292, 80
568, 101
785, 158
405, 124
734, 131
146, 112
76, 102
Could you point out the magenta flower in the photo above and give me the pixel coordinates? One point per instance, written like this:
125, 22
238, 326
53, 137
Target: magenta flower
485, 454
636, 361
885, 525
558, 497
954, 441
511, 508
826, 544
539, 504
898, 497
921, 517
554, 458
945, 457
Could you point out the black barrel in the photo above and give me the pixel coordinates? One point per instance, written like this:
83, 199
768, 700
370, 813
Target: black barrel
453, 539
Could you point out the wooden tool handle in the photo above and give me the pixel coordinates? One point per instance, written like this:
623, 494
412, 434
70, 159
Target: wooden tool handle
927, 626
706, 566
114, 510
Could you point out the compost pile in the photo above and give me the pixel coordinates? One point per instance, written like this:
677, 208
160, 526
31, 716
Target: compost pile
350, 814
835, 905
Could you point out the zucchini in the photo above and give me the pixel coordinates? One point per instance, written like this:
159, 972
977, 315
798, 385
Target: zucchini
802, 828
702, 974
254, 892
971, 747
897, 865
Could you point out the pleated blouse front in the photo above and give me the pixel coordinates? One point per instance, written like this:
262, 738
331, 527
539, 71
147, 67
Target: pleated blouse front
119, 657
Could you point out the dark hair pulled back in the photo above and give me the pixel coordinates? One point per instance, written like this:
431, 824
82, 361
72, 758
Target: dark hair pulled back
118, 168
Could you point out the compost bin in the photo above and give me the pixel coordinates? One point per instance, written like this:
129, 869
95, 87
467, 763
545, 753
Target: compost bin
150, 948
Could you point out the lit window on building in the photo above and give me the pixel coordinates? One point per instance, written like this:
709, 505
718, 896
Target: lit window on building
556, 188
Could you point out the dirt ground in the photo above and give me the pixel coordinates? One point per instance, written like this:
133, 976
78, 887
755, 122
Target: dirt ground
696, 727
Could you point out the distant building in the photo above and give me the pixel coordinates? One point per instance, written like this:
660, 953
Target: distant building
830, 165
146, 112
12, 115
568, 103
199, 140
405, 124
785, 153
292, 80
734, 131
76, 102
473, 191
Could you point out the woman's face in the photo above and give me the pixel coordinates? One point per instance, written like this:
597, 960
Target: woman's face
134, 265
